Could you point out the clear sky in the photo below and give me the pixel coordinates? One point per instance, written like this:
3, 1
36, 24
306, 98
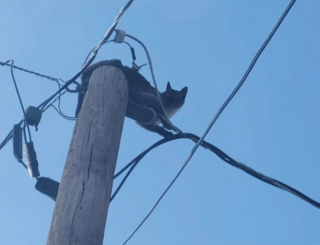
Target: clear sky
272, 125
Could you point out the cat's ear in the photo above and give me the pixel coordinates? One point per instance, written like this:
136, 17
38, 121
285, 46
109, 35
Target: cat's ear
168, 87
183, 92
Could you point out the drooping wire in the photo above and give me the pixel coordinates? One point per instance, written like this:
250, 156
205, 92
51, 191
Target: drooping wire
57, 80
43, 106
21, 103
52, 102
91, 57
215, 118
28, 71
137, 159
218, 114
58, 110
62, 114
222, 156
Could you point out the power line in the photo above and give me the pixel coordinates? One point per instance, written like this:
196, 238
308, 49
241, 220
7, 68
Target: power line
137, 159
31, 72
92, 55
21, 103
57, 80
43, 106
222, 155
106, 36
58, 110
218, 113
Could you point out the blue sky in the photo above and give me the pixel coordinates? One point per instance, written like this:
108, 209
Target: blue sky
272, 125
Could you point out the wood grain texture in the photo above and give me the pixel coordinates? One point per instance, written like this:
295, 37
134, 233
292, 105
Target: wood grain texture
82, 204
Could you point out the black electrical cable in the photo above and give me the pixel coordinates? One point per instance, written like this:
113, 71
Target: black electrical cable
92, 51
218, 113
31, 72
133, 54
243, 79
8, 137
41, 75
59, 111
89, 60
23, 164
62, 114
21, 103
6, 140
91, 57
222, 155
57, 80
137, 159
53, 101
107, 35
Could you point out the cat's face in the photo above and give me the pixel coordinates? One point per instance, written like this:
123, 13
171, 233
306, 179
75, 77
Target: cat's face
175, 95
173, 100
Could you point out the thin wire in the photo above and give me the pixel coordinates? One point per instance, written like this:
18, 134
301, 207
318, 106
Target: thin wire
28, 71
112, 28
93, 50
59, 108
242, 80
92, 56
23, 164
6, 140
52, 102
8, 137
21, 104
137, 159
62, 114
43, 106
218, 114
155, 83
221, 155
57, 80
106, 35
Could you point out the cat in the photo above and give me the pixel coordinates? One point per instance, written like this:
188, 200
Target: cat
142, 93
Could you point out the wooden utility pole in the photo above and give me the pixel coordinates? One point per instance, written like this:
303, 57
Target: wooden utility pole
81, 208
